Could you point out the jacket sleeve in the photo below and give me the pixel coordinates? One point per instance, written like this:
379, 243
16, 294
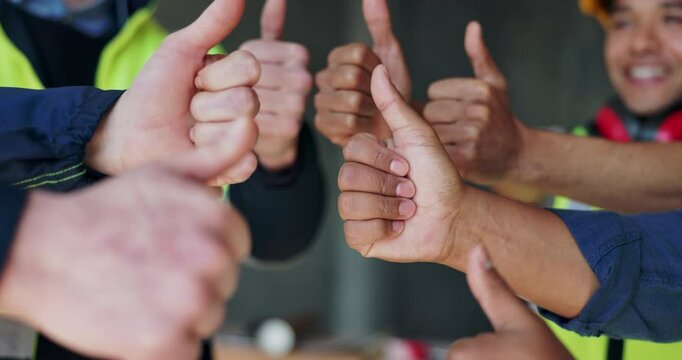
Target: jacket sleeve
12, 204
43, 134
283, 209
637, 262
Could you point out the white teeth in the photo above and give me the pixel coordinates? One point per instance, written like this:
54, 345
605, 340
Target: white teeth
646, 72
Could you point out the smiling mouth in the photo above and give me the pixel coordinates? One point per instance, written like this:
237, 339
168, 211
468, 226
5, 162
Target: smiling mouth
646, 74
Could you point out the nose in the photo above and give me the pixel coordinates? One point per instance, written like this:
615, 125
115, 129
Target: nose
645, 40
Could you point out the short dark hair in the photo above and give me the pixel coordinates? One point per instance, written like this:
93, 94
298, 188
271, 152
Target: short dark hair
607, 5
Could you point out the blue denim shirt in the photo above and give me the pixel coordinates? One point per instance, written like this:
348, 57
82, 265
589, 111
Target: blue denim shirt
638, 262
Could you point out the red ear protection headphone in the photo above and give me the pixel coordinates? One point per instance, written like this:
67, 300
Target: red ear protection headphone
616, 123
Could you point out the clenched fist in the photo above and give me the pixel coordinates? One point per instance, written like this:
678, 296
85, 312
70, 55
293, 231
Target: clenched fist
284, 85
473, 118
344, 104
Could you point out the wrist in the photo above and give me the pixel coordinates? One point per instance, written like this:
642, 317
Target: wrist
526, 169
280, 160
98, 152
460, 229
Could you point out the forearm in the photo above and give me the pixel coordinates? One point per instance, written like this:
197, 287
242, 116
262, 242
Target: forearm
633, 177
531, 247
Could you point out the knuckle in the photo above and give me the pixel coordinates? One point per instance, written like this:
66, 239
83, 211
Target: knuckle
346, 176
249, 44
485, 92
252, 67
345, 204
354, 146
351, 122
300, 53
320, 101
389, 207
359, 52
353, 235
249, 100
305, 80
385, 184
353, 76
354, 101
320, 78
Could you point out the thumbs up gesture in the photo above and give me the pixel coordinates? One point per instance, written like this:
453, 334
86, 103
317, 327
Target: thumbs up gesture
284, 85
184, 99
518, 333
473, 118
344, 105
400, 201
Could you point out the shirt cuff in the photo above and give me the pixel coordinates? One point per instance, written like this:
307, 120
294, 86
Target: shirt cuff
611, 244
11, 209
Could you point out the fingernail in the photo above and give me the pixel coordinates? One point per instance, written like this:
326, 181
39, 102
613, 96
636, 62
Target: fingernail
397, 226
399, 167
407, 208
405, 190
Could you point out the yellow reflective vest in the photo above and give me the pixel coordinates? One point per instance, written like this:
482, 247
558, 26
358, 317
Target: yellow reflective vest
596, 348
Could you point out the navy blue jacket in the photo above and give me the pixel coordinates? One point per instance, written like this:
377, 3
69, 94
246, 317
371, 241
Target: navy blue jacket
44, 133
638, 262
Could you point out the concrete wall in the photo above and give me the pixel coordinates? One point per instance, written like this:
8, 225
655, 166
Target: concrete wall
552, 57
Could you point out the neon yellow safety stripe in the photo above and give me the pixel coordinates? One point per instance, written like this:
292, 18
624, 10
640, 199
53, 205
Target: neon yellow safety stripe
596, 348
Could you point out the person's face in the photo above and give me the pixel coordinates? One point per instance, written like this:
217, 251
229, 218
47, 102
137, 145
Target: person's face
643, 53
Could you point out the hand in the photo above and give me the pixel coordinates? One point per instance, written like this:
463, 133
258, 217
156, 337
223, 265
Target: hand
399, 204
137, 267
282, 89
519, 334
183, 99
344, 105
473, 117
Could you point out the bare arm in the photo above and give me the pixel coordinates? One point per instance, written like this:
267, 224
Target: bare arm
475, 122
531, 248
634, 177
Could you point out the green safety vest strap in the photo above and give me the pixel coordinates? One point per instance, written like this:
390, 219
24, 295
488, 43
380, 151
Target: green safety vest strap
119, 63
15, 69
596, 348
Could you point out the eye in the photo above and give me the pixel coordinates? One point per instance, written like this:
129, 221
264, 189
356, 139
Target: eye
620, 23
673, 19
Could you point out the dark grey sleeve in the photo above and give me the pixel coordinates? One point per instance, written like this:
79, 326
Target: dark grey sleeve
283, 208
12, 204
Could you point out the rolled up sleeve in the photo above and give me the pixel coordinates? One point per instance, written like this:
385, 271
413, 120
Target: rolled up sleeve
638, 262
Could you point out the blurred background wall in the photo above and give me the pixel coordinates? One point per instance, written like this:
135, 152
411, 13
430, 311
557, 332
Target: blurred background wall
552, 57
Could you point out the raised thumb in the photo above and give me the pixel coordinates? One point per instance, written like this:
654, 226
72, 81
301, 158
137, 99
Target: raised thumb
273, 18
378, 19
397, 112
481, 61
215, 24
504, 310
